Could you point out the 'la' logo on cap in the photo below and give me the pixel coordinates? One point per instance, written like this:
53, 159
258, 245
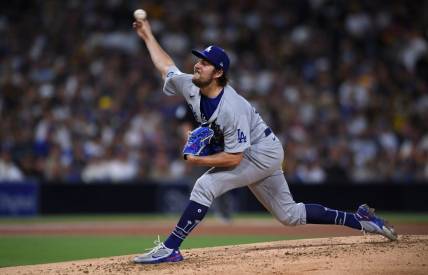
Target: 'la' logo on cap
209, 48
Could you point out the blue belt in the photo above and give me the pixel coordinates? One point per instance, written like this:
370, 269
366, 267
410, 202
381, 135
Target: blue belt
268, 131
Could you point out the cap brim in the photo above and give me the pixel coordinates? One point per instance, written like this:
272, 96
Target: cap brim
203, 56
199, 54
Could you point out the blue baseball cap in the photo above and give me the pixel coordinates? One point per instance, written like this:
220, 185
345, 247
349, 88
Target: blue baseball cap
215, 55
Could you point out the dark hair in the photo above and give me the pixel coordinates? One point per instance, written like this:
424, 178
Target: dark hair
222, 80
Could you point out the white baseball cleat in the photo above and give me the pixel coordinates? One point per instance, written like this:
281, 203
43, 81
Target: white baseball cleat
159, 254
373, 224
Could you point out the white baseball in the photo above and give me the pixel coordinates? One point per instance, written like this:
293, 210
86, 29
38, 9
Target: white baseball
140, 14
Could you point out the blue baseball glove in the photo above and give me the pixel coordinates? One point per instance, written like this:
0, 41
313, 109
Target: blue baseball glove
197, 141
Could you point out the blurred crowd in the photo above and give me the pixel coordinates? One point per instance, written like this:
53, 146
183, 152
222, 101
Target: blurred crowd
344, 85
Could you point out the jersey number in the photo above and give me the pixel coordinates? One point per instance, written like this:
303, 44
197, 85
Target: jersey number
241, 137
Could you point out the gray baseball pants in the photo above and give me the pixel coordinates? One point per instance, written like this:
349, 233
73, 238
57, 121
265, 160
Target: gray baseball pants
261, 171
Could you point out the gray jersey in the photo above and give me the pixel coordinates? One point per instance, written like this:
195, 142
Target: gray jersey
244, 131
237, 121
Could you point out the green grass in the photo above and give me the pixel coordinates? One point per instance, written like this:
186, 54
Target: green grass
24, 250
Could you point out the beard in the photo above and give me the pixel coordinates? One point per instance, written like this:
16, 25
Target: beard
200, 83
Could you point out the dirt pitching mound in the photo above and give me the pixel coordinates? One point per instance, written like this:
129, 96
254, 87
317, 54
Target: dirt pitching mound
340, 255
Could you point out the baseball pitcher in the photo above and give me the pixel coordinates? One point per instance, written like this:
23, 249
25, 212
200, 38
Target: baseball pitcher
239, 147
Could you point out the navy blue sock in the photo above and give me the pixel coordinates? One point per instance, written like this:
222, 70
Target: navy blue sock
318, 214
192, 215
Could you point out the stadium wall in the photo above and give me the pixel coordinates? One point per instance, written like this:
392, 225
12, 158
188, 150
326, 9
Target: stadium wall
150, 197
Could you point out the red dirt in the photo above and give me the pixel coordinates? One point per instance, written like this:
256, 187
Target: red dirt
209, 227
